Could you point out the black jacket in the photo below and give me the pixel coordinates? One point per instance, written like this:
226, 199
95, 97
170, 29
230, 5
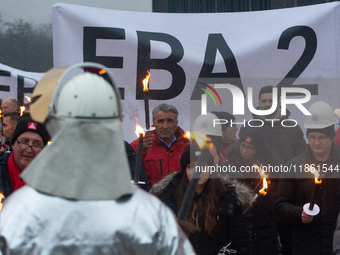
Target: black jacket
6, 186
232, 226
131, 155
261, 214
315, 237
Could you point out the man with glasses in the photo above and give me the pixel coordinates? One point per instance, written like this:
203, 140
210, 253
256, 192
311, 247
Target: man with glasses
28, 139
313, 234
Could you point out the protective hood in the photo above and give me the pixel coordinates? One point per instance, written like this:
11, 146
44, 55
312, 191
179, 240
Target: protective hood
86, 161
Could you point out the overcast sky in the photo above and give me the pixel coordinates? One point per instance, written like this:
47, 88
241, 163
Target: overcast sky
40, 11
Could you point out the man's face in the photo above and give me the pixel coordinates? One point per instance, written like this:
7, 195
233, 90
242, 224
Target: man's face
229, 134
7, 106
166, 125
320, 144
266, 101
8, 127
22, 157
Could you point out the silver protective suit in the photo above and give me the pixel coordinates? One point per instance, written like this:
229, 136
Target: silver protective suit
137, 224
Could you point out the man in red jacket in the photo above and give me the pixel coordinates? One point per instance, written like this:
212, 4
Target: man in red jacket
163, 147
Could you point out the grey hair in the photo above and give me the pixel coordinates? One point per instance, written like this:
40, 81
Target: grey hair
164, 108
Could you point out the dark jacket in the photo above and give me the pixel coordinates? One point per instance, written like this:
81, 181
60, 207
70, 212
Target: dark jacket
131, 155
315, 237
288, 142
232, 226
159, 160
6, 186
262, 213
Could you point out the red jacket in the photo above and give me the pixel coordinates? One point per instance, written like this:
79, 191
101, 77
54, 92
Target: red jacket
159, 160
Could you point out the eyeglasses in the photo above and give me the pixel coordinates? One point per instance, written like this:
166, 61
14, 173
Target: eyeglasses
321, 138
248, 148
24, 145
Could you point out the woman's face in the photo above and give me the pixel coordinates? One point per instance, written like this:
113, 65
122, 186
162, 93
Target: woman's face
190, 171
247, 150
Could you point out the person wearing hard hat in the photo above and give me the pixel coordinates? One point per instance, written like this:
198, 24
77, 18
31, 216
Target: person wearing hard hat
79, 198
313, 229
217, 223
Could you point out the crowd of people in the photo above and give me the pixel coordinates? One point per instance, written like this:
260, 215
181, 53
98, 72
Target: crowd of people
100, 210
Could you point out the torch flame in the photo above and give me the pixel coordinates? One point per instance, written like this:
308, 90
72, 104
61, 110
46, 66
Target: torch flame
264, 189
146, 82
202, 140
315, 172
187, 135
28, 99
139, 129
1, 197
22, 110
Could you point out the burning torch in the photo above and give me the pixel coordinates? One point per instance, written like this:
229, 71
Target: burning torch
205, 146
1, 197
146, 100
262, 192
140, 134
311, 208
23, 108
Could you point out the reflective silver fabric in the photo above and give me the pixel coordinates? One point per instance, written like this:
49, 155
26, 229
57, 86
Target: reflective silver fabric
36, 223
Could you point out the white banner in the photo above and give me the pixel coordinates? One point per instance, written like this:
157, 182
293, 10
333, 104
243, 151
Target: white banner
259, 48
16, 83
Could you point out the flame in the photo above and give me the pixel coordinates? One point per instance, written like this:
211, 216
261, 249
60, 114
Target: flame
146, 82
315, 172
139, 129
22, 110
28, 99
49, 142
1, 113
1, 197
201, 139
187, 135
264, 189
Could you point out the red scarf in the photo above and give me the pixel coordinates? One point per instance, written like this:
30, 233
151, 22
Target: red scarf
14, 173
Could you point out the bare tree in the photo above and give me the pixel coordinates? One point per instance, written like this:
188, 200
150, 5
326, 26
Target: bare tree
25, 47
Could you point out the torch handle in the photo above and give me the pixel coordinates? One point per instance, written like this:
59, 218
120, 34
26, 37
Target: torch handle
312, 200
138, 158
190, 192
147, 111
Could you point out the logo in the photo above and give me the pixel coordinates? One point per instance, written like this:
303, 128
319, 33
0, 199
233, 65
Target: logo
213, 90
239, 98
32, 125
248, 139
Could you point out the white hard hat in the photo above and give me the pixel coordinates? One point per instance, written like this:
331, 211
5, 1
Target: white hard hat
322, 116
83, 112
204, 124
91, 94
87, 95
